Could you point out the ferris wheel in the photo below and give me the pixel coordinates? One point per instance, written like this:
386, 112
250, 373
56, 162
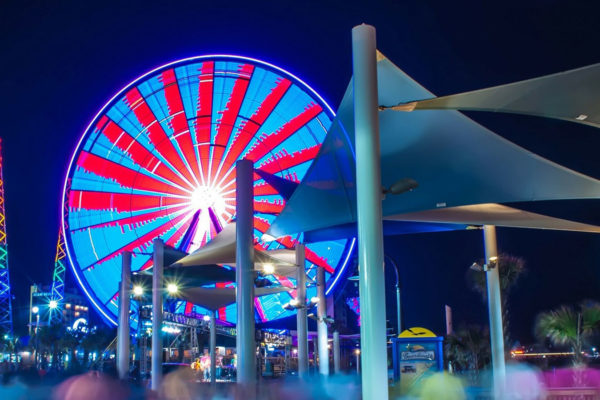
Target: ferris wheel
158, 161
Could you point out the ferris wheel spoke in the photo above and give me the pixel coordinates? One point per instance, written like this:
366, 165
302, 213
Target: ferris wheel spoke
120, 202
134, 220
267, 143
112, 298
268, 207
284, 160
124, 176
203, 123
259, 309
229, 116
139, 154
179, 122
250, 127
156, 134
142, 242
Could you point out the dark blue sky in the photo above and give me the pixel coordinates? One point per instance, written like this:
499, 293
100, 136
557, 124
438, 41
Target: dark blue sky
61, 61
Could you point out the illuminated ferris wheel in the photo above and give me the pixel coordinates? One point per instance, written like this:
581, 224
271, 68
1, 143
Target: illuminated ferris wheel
158, 161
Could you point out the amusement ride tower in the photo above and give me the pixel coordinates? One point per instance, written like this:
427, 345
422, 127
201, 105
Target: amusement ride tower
6, 323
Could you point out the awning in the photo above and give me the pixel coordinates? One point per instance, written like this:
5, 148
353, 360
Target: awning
222, 250
572, 95
456, 162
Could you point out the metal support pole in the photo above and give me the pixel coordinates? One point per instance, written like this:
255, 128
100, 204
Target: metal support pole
322, 323
336, 352
398, 302
123, 329
494, 309
315, 341
301, 322
244, 273
213, 347
157, 313
370, 227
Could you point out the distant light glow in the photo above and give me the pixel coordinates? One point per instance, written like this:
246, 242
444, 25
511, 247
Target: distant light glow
53, 304
35, 309
206, 318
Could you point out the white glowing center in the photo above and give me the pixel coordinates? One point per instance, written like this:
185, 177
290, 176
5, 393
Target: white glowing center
205, 197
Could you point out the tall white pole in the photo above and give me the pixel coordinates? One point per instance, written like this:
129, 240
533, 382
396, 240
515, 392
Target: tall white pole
370, 228
124, 305
336, 352
213, 347
157, 313
322, 324
301, 322
495, 309
244, 273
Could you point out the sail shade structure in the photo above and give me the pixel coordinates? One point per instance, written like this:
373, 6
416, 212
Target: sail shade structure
222, 250
200, 275
572, 95
495, 214
215, 298
456, 162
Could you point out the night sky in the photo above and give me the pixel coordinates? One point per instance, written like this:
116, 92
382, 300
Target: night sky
61, 61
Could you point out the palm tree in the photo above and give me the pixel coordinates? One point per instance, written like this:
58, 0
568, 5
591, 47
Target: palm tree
468, 349
510, 269
567, 326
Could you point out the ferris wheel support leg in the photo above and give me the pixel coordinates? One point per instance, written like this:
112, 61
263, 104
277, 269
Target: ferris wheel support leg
301, 322
244, 272
213, 347
369, 214
123, 329
322, 323
157, 313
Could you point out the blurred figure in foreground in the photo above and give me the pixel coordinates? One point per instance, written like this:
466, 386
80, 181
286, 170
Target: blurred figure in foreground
90, 386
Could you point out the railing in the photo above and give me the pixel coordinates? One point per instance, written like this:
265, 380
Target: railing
549, 394
572, 394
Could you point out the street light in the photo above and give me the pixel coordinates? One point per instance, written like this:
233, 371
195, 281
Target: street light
138, 290
398, 302
53, 304
268, 269
35, 309
172, 288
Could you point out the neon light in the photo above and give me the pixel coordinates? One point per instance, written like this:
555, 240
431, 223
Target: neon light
6, 322
163, 150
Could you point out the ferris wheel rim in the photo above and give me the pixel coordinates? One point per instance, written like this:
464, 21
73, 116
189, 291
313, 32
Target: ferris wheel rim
83, 283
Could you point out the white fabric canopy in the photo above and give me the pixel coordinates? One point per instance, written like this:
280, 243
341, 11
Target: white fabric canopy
215, 298
222, 250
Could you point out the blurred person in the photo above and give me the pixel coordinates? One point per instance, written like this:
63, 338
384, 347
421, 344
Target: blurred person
523, 382
90, 386
441, 385
177, 385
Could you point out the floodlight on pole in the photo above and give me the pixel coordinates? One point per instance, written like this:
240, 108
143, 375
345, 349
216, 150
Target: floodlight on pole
138, 290
268, 269
402, 186
172, 288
